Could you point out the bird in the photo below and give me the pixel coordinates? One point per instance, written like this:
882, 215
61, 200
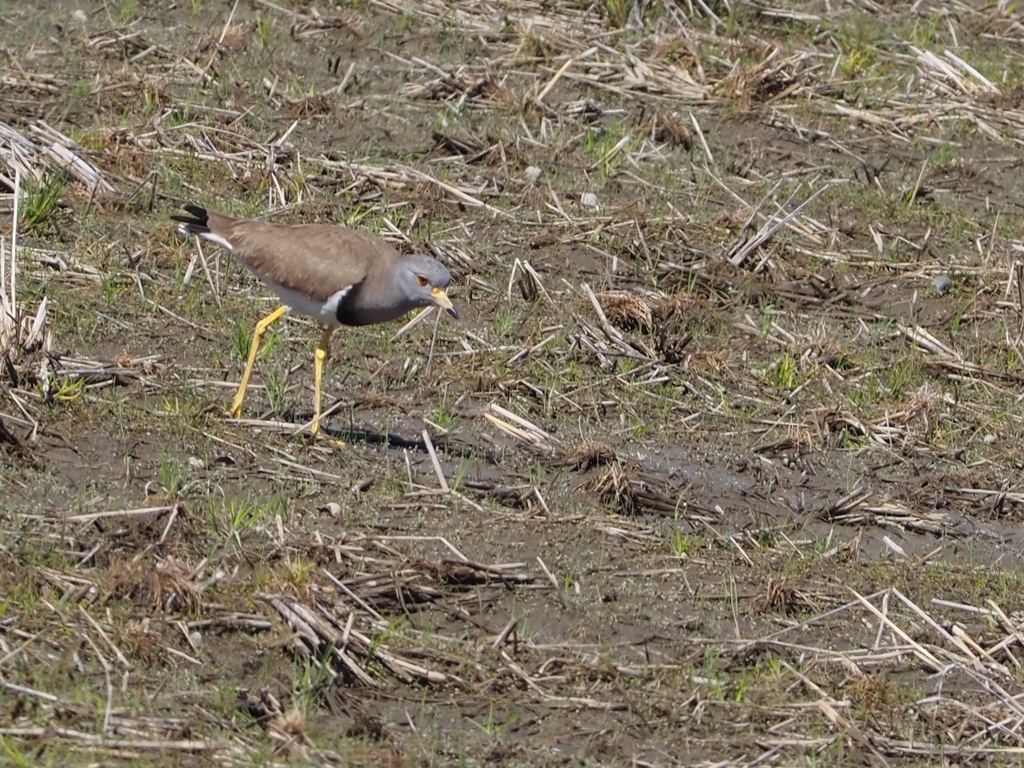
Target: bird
332, 273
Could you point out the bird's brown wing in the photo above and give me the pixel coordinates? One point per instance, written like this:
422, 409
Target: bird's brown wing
317, 260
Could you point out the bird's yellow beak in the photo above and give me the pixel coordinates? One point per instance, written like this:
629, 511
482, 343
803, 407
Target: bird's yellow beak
441, 299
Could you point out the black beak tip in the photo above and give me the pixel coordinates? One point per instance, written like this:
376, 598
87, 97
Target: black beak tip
453, 312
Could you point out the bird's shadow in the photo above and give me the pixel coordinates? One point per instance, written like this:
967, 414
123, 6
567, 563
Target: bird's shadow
449, 445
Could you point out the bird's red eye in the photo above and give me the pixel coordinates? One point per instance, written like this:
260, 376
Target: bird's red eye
421, 280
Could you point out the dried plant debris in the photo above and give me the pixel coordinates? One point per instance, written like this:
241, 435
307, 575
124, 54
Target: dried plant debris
50, 152
341, 617
626, 489
668, 128
772, 78
290, 726
521, 429
515, 496
862, 507
779, 596
311, 105
230, 39
171, 587
628, 311
315, 25
614, 488
322, 632
669, 319
588, 454
14, 447
421, 581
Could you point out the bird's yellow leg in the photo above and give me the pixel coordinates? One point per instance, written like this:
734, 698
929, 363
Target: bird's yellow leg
257, 337
319, 357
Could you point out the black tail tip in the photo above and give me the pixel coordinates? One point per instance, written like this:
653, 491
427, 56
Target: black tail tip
198, 218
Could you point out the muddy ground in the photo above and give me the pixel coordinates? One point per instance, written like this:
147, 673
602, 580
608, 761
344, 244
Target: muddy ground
721, 465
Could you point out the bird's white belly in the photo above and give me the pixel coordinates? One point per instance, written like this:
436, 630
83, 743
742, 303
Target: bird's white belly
295, 301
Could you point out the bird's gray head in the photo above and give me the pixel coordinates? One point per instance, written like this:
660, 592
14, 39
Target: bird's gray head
424, 281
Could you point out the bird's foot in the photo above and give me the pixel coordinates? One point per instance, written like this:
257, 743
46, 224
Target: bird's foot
318, 434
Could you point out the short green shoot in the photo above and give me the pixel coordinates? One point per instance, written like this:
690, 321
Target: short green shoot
42, 201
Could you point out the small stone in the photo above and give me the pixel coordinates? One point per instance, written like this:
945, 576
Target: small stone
196, 638
532, 174
989, 439
589, 200
196, 463
942, 284
79, 16
332, 507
